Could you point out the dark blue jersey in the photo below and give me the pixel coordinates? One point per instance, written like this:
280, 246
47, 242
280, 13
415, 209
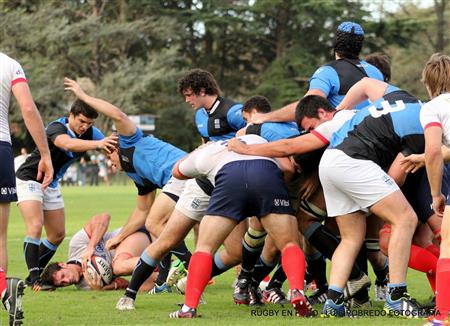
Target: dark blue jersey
383, 129
336, 77
61, 159
148, 160
273, 131
221, 122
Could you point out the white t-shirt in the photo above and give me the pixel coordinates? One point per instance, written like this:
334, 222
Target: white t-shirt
208, 159
326, 129
78, 245
11, 73
437, 113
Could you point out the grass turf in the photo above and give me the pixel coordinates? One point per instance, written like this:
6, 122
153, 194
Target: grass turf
69, 306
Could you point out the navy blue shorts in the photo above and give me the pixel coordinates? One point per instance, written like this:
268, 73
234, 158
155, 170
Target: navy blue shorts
8, 192
417, 191
249, 188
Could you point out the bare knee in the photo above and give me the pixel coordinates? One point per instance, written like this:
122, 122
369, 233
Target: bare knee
57, 237
34, 228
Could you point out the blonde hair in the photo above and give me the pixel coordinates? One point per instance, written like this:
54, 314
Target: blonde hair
436, 74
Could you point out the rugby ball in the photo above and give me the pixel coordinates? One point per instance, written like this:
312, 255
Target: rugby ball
99, 266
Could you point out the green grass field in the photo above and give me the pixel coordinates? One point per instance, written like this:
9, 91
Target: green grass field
72, 307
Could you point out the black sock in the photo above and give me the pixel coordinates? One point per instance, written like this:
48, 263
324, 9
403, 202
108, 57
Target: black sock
163, 269
317, 267
397, 292
144, 268
326, 242
336, 296
308, 276
262, 269
31, 252
361, 260
182, 253
382, 274
277, 279
218, 267
250, 256
46, 252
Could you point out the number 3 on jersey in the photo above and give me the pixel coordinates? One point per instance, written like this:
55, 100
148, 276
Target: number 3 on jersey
386, 107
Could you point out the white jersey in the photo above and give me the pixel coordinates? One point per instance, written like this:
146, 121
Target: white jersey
437, 113
78, 245
10, 73
326, 129
208, 159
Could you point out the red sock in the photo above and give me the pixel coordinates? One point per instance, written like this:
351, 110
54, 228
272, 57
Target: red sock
293, 262
422, 260
200, 268
2, 282
442, 289
434, 250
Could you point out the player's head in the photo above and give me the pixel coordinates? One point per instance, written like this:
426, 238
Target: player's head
197, 84
312, 110
348, 40
255, 104
60, 274
436, 75
115, 158
81, 117
382, 62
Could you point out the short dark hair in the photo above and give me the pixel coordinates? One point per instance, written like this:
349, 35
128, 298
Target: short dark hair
79, 107
348, 40
382, 62
308, 106
258, 102
198, 79
49, 272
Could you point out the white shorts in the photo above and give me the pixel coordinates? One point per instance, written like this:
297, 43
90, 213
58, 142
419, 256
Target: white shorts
174, 186
350, 184
193, 201
51, 199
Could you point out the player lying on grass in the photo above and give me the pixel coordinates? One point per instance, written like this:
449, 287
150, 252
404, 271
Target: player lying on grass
91, 240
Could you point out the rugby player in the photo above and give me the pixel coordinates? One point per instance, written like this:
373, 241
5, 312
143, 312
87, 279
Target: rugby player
434, 118
91, 240
240, 191
353, 180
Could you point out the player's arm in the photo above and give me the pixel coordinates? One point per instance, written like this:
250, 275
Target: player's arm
135, 221
186, 167
396, 171
366, 88
70, 144
33, 122
434, 164
280, 148
96, 228
124, 125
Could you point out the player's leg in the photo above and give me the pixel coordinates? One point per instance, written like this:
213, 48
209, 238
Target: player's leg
231, 255
55, 229
443, 270
283, 229
212, 233
33, 215
396, 210
377, 259
175, 231
4, 215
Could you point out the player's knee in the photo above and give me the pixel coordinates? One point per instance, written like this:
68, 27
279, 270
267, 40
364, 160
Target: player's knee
35, 228
57, 237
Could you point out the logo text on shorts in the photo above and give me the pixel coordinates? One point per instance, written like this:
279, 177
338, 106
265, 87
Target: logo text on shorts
281, 202
195, 203
8, 191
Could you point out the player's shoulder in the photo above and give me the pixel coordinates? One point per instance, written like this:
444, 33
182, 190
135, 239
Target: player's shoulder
440, 102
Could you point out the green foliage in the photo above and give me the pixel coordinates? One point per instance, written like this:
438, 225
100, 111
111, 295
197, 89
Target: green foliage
134, 51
